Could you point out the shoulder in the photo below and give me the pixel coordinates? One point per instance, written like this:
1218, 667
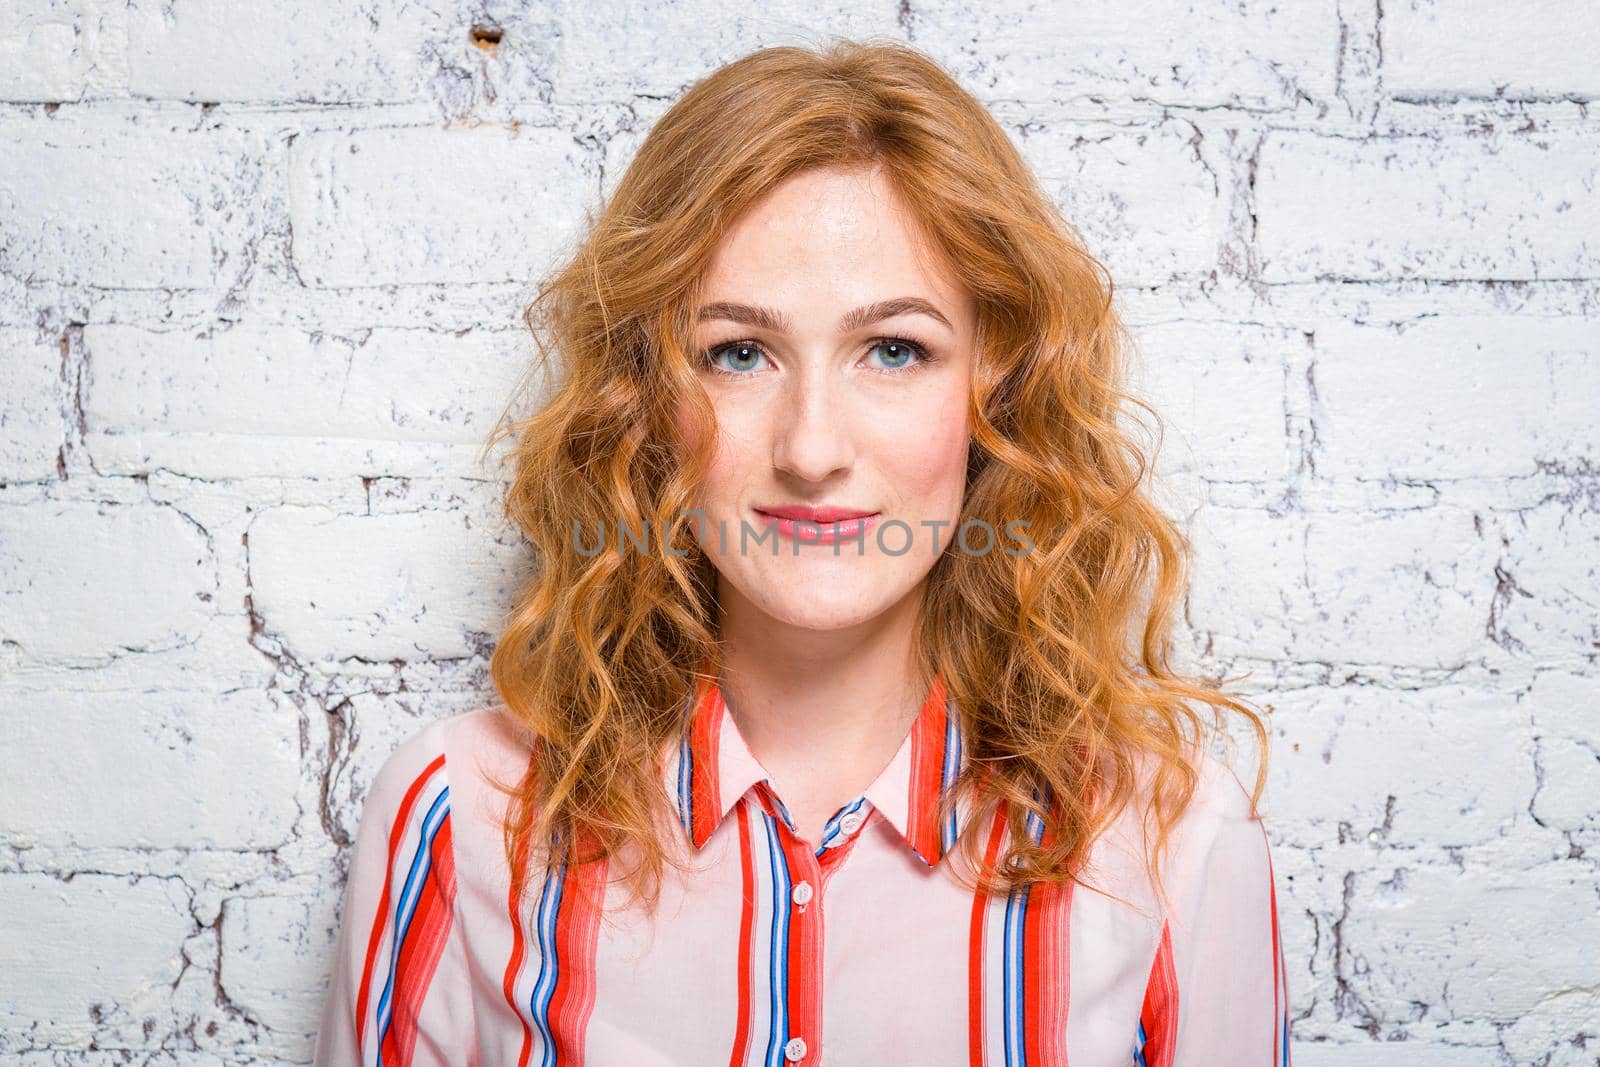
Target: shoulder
1219, 811
1218, 833
456, 754
489, 732
1219, 793
1221, 850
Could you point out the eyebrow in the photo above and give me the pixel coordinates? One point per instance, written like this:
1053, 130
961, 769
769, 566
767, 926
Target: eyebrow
765, 318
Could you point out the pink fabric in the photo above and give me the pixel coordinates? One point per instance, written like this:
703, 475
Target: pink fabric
859, 949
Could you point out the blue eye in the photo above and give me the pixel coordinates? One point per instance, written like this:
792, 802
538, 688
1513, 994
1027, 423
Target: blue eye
900, 353
899, 356
745, 355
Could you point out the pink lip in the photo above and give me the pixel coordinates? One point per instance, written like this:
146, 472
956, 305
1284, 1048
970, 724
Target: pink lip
824, 526
800, 512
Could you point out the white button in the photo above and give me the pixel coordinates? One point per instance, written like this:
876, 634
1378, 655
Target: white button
801, 894
850, 823
796, 1048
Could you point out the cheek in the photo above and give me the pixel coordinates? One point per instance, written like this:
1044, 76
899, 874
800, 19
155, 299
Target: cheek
932, 458
724, 474
730, 460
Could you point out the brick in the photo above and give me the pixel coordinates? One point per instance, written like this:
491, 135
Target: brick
101, 954
1206, 53
434, 205
31, 396
383, 587
296, 50
1563, 704
1404, 588
1399, 1054
151, 769
1145, 203
81, 582
1547, 572
610, 50
1413, 400
1448, 206
1569, 782
1192, 372
1345, 766
1476, 943
144, 209
1538, 49
60, 50
272, 401
275, 954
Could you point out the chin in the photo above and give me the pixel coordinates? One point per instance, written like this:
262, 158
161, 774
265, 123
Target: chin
824, 606
813, 617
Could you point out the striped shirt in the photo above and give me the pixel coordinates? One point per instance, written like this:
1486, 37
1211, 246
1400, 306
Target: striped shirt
859, 949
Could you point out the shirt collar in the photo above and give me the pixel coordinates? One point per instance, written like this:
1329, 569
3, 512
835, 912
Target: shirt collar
714, 768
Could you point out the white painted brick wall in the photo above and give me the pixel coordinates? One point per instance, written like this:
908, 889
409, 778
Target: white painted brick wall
261, 274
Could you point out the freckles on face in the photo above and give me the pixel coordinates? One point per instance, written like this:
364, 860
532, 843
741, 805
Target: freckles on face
837, 354
916, 448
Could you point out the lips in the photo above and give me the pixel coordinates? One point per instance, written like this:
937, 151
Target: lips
801, 513
825, 526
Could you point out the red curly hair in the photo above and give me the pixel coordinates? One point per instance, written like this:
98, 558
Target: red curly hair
1057, 697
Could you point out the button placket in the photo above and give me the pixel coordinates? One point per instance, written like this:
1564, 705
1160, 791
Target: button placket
808, 877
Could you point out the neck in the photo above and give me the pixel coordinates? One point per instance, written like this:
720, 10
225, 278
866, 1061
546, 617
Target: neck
828, 708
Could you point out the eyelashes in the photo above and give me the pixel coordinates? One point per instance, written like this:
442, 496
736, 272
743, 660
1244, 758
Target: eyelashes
921, 357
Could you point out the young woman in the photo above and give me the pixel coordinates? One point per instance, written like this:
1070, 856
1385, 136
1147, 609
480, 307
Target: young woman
837, 725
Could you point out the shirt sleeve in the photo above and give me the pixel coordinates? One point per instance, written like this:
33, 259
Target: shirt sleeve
399, 988
1218, 991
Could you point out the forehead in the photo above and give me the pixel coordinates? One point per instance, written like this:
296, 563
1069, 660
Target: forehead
830, 236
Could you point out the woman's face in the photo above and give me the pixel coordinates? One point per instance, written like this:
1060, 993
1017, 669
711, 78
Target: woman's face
838, 365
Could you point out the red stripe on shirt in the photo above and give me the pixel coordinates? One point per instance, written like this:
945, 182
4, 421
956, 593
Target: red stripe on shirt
805, 942
576, 934
747, 918
1280, 988
1159, 1015
519, 949
381, 918
1044, 962
704, 787
419, 955
927, 773
975, 968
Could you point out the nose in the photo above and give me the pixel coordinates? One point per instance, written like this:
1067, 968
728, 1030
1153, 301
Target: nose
814, 438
